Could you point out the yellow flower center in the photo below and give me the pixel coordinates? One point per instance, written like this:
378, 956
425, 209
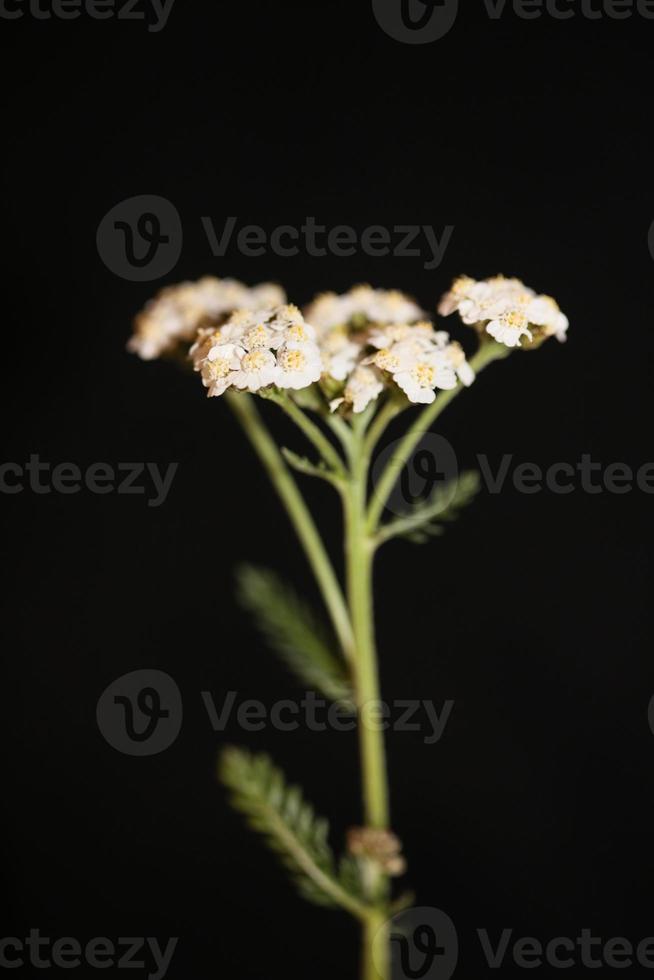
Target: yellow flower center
255, 360
386, 360
515, 319
257, 336
218, 368
424, 374
292, 360
297, 332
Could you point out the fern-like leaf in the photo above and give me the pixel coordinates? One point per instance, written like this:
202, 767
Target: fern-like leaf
428, 517
289, 826
303, 465
294, 632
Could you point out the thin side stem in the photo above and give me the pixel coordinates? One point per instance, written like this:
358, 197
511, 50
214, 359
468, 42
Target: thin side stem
487, 353
243, 407
312, 432
384, 417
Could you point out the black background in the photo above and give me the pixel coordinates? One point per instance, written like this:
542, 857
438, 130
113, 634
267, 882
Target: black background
534, 812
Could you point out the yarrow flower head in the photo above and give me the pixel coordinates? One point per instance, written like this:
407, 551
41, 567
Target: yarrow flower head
419, 360
253, 350
173, 317
361, 306
505, 309
372, 339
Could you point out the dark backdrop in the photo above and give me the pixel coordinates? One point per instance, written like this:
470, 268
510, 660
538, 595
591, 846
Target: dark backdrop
534, 811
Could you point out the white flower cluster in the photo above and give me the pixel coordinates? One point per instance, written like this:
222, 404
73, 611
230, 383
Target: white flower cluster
505, 309
175, 314
373, 338
361, 305
254, 350
417, 358
356, 345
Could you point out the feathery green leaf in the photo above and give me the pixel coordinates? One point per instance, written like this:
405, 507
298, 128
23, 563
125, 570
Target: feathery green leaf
294, 631
426, 519
289, 826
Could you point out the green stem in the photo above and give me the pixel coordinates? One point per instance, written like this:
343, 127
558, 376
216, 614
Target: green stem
312, 432
488, 352
386, 414
376, 937
359, 555
243, 407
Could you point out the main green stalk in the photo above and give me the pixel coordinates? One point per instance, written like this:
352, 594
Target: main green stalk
359, 555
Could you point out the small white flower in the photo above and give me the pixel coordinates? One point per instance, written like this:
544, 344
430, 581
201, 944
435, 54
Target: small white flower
219, 367
363, 386
265, 296
298, 366
257, 369
543, 311
209, 337
460, 291
457, 359
259, 337
428, 370
339, 353
328, 310
509, 328
420, 333
389, 306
